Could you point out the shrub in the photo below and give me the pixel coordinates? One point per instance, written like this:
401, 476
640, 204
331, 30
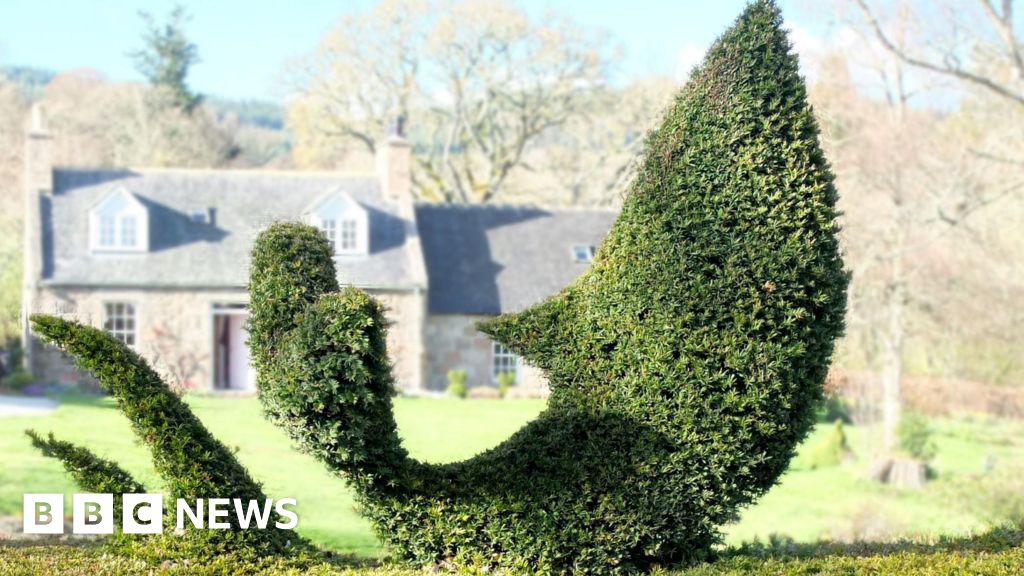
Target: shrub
192, 463
457, 383
15, 357
915, 436
835, 408
831, 449
17, 381
685, 365
506, 380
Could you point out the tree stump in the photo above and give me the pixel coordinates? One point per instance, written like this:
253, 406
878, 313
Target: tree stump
905, 473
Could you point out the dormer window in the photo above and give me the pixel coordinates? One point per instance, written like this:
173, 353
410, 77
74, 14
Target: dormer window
119, 223
128, 238
107, 227
329, 226
344, 222
583, 253
348, 240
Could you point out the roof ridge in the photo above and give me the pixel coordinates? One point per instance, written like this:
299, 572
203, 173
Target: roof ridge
511, 206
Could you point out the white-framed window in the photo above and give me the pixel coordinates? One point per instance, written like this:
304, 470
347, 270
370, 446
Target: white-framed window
330, 229
344, 222
583, 253
119, 223
119, 320
348, 240
128, 236
108, 226
503, 360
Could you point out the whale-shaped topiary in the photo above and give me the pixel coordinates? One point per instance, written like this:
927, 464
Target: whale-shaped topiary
684, 366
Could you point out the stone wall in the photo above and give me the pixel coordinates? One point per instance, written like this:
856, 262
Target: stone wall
453, 343
175, 331
406, 311
173, 327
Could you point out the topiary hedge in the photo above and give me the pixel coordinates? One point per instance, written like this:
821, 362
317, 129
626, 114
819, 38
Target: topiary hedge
685, 365
192, 463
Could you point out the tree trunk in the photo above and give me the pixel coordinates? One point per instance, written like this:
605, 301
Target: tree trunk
892, 368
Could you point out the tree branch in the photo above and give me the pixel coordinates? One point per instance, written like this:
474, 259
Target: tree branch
949, 68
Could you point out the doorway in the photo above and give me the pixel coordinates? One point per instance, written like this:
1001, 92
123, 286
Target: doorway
232, 368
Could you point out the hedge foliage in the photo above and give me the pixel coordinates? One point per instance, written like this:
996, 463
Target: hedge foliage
1000, 552
685, 365
192, 463
90, 472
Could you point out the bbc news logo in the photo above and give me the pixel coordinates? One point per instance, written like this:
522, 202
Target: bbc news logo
144, 513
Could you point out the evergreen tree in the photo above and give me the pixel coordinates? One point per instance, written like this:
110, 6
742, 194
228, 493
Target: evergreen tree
167, 56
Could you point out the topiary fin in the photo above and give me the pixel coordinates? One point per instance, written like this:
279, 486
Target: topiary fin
191, 461
89, 471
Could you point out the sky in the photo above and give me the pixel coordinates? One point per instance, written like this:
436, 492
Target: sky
245, 45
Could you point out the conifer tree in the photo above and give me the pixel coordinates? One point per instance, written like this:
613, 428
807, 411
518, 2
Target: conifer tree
166, 57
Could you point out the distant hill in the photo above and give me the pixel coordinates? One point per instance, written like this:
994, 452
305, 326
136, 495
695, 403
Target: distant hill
262, 113
30, 80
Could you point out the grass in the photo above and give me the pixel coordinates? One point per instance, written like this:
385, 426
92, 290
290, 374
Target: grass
808, 505
435, 430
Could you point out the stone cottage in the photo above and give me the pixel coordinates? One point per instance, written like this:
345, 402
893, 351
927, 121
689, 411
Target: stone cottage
159, 258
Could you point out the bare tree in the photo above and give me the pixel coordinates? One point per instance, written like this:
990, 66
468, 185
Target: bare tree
589, 160
479, 84
966, 53
102, 123
979, 48
12, 117
910, 191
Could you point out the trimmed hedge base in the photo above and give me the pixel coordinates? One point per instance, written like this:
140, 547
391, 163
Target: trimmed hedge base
996, 553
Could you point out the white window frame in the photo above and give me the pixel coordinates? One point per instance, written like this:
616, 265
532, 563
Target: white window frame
129, 228
504, 360
344, 222
347, 241
127, 312
119, 230
329, 226
107, 234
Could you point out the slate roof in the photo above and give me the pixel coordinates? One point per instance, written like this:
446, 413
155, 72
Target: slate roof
492, 259
185, 254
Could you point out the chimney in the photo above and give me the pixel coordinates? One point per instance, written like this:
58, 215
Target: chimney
394, 159
38, 182
38, 153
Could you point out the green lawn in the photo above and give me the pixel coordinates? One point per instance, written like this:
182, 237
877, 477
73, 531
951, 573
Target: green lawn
808, 505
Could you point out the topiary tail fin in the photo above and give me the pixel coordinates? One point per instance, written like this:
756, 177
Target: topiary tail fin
191, 461
90, 472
